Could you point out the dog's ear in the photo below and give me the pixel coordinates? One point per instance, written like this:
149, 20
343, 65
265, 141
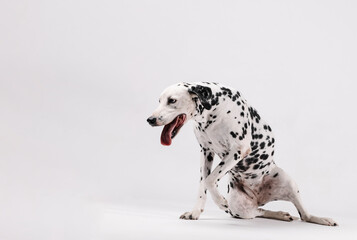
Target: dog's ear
203, 93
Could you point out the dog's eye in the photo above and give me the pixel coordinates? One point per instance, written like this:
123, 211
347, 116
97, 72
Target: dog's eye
171, 101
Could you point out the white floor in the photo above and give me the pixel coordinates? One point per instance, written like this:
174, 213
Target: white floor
104, 221
129, 223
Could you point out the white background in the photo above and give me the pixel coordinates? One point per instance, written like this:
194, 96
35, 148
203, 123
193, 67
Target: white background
79, 78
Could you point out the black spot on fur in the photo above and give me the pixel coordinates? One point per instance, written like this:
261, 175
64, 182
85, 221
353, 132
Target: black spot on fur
209, 157
234, 135
251, 160
264, 156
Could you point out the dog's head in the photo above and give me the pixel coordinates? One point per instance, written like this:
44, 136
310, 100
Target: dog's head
177, 105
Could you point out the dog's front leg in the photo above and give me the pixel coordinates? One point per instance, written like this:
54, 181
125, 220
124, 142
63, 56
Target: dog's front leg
205, 169
227, 163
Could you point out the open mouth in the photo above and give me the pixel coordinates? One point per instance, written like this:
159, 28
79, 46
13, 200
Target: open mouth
171, 129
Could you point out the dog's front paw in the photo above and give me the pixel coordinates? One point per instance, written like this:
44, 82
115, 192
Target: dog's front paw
194, 215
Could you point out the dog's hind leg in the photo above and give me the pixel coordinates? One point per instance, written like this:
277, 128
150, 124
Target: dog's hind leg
243, 203
283, 216
305, 216
284, 188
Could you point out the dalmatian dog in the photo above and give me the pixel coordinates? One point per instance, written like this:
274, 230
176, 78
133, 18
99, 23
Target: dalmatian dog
227, 126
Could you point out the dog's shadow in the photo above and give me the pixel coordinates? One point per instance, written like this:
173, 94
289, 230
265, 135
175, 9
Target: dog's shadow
256, 223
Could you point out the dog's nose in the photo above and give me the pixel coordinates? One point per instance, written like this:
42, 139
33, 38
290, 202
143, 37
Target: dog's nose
151, 121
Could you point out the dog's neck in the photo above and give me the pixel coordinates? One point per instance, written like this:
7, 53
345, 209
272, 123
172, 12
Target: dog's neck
202, 116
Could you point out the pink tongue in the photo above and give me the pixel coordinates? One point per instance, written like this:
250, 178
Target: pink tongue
167, 132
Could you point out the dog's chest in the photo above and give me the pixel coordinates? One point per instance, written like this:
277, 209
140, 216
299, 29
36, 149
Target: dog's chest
216, 139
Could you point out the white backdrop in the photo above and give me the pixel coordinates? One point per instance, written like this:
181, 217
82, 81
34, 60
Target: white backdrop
79, 78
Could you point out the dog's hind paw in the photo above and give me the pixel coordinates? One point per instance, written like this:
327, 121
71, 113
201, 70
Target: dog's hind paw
322, 221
